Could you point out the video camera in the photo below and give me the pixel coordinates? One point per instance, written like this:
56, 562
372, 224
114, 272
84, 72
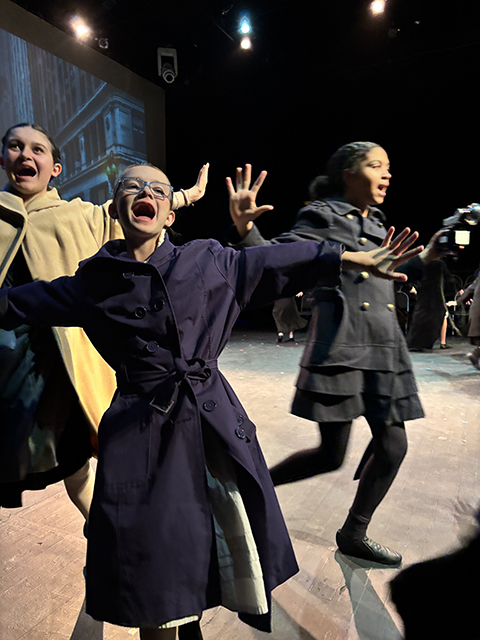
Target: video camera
456, 232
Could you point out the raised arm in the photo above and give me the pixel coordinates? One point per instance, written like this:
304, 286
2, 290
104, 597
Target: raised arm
243, 206
187, 197
383, 261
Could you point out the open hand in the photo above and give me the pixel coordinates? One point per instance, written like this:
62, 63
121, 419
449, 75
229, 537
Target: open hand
383, 261
186, 197
243, 206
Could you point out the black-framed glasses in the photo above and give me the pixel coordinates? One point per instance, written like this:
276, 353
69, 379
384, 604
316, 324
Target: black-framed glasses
137, 185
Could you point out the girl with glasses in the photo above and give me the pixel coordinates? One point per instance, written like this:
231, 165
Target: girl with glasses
184, 515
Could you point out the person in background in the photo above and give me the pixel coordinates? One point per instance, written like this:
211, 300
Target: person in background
287, 318
471, 296
429, 322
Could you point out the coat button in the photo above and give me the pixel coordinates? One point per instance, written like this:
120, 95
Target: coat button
152, 346
365, 306
209, 405
158, 304
350, 216
128, 275
365, 275
240, 419
391, 307
140, 312
240, 433
362, 241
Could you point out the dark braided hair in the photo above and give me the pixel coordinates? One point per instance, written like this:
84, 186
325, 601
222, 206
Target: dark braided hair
347, 157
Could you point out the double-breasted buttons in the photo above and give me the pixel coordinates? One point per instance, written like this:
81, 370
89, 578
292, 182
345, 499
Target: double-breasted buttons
240, 433
362, 241
350, 216
152, 346
158, 304
128, 275
140, 312
391, 307
365, 306
240, 419
209, 405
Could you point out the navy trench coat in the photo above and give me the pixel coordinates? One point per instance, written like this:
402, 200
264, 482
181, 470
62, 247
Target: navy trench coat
161, 325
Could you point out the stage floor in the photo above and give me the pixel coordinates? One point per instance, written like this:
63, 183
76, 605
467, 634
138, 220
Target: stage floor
428, 511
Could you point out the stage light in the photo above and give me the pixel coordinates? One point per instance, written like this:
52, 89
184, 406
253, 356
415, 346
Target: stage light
245, 24
80, 28
246, 43
377, 7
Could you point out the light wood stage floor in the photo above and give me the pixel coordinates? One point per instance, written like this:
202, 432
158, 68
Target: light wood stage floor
428, 511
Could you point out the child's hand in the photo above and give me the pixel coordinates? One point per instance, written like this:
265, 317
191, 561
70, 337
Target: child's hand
243, 207
186, 197
383, 261
198, 191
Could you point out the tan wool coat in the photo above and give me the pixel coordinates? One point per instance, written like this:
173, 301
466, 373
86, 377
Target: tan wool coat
55, 236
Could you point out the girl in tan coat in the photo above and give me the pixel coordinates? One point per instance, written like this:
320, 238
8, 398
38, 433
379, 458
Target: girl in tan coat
54, 387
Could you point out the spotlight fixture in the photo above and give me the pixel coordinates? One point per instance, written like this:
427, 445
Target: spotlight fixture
167, 64
246, 43
377, 7
245, 25
80, 28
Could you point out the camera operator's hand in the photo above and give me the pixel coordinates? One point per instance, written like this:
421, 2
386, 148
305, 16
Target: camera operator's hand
433, 251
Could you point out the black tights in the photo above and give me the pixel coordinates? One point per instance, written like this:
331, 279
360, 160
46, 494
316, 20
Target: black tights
384, 457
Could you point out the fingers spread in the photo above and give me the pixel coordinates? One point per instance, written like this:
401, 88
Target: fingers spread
388, 237
230, 189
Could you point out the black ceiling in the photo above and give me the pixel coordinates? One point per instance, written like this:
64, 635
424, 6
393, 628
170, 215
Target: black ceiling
320, 74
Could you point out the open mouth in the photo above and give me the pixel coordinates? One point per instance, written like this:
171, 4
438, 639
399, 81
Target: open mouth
143, 211
26, 172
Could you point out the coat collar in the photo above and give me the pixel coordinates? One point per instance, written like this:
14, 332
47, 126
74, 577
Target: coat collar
342, 208
117, 250
43, 201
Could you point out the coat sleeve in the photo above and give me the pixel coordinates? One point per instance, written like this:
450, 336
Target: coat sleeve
313, 222
54, 304
262, 274
102, 226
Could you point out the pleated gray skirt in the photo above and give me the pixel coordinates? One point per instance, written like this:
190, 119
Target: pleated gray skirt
337, 393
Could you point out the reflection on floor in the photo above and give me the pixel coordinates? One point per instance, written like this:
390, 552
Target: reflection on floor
429, 510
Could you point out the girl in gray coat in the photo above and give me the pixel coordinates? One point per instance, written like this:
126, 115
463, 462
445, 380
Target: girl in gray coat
355, 362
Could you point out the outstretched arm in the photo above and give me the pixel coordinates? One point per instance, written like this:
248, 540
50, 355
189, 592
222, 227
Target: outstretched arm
52, 304
243, 206
186, 197
383, 261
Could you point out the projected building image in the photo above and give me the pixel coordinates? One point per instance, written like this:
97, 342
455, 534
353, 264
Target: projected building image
99, 128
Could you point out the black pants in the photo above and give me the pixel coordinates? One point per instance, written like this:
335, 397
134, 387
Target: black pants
381, 462
190, 631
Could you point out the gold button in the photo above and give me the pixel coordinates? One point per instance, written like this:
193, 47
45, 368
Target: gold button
365, 274
350, 216
362, 240
365, 306
391, 307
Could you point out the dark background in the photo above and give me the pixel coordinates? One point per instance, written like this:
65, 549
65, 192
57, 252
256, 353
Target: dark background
320, 74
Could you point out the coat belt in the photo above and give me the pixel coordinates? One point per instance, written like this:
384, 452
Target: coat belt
165, 381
